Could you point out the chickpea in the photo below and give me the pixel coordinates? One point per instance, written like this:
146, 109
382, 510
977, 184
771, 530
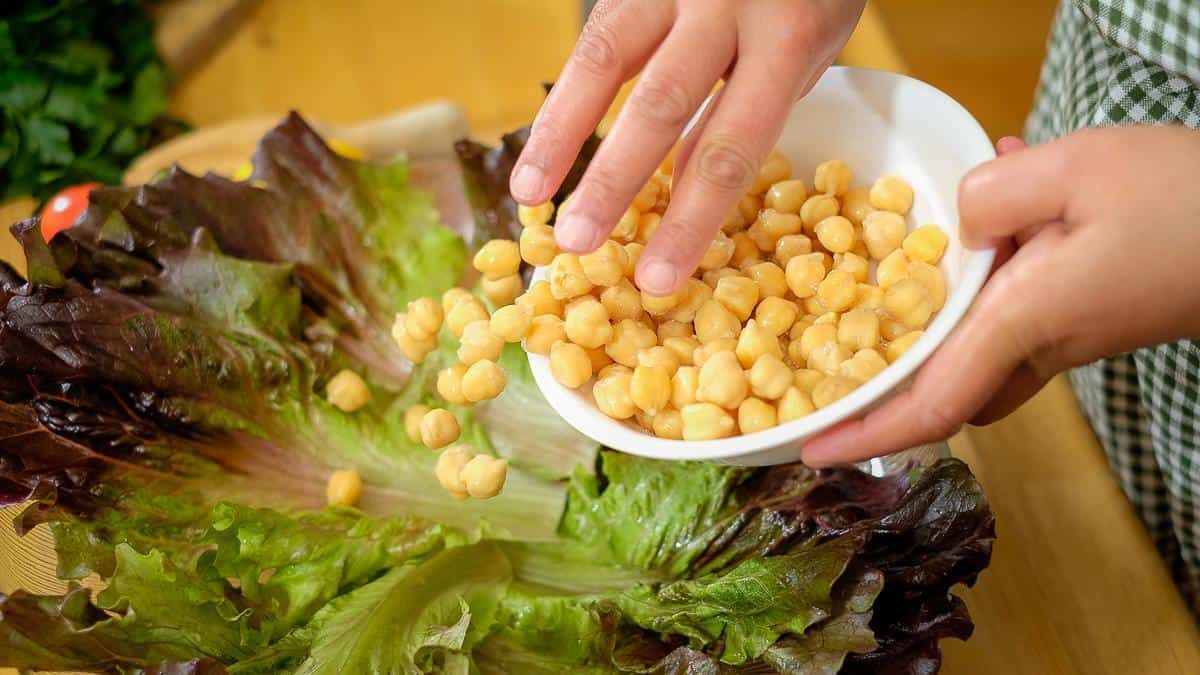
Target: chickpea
587, 323
683, 348
628, 338
856, 205
668, 424
865, 364
755, 415
647, 196
891, 269
859, 329
658, 305
344, 488
812, 305
807, 379
818, 208
684, 383
777, 224
745, 251
802, 324
739, 295
793, 405
622, 301
756, 341
860, 247
452, 297
908, 302
891, 329
786, 196
836, 234
714, 321
692, 297
611, 395
540, 301
774, 168
537, 245
869, 297
449, 383
670, 329
466, 312
599, 358
650, 388
660, 357
483, 381
647, 226
892, 194
827, 317
705, 421
612, 369
412, 421
347, 391
748, 207
722, 381
838, 291
831, 389
449, 470
424, 318
926, 243
931, 278
718, 254
790, 246
902, 344
503, 291
769, 377
626, 229
484, 476
566, 277
498, 258
511, 323
816, 336
606, 265
828, 358
633, 253
706, 350
712, 277
805, 273
856, 265
532, 216
776, 315
543, 333
414, 350
833, 177
478, 343
439, 428
883, 232
570, 364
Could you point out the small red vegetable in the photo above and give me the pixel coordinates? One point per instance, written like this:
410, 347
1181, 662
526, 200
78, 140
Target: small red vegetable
64, 208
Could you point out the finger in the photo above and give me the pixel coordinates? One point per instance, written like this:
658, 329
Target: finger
1013, 192
688, 144
1009, 144
670, 90
740, 133
1024, 382
617, 40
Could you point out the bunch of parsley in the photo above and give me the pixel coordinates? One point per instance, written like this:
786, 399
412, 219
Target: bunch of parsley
82, 92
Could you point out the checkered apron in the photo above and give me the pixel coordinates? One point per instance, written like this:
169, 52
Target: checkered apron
1118, 63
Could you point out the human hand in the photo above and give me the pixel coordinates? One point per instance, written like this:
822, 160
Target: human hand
771, 52
1099, 235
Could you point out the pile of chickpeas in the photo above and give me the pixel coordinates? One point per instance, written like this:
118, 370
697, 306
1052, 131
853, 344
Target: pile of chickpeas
802, 297
784, 316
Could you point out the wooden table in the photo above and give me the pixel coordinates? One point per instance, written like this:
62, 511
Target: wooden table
1075, 585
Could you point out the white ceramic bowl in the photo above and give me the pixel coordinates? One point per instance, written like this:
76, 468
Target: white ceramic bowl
879, 123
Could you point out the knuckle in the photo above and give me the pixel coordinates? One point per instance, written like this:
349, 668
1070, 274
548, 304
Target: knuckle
663, 101
596, 51
603, 186
724, 164
937, 422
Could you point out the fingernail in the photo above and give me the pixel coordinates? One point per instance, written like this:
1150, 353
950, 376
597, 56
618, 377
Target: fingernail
527, 183
577, 233
657, 276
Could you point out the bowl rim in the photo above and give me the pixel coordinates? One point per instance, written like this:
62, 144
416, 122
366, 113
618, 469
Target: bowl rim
618, 435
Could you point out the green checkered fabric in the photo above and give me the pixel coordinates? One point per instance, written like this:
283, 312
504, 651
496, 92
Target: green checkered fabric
1120, 63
